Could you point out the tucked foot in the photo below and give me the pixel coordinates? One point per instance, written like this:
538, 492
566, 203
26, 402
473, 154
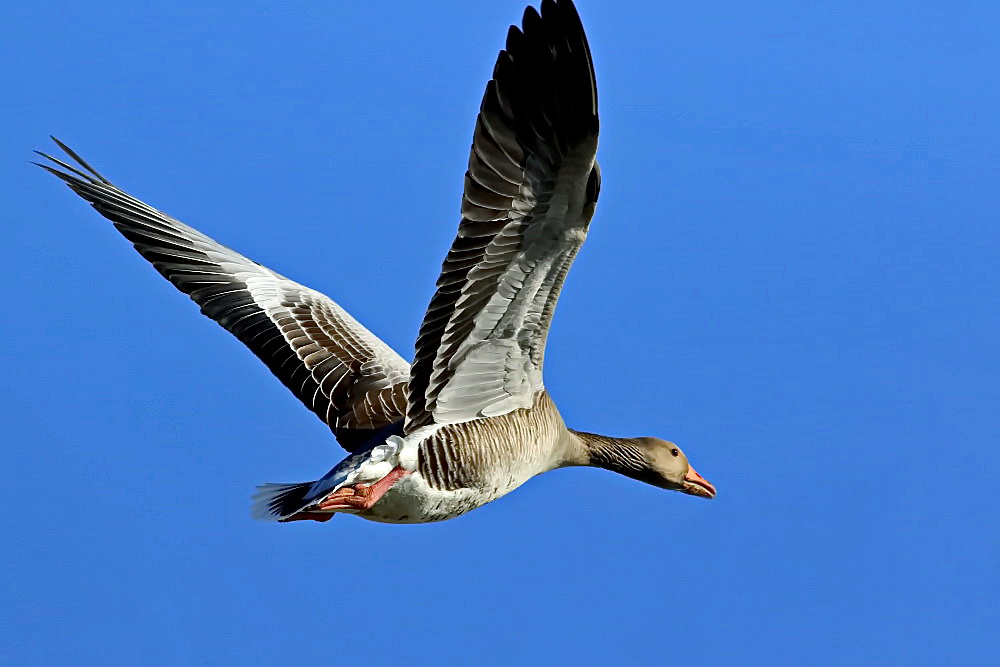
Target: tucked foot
360, 497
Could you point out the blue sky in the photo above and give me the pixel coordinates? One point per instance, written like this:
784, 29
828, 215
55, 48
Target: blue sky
792, 273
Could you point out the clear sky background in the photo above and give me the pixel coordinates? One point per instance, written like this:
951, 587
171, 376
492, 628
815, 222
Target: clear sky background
792, 273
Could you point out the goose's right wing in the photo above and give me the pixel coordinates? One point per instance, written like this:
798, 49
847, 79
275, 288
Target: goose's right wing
530, 193
341, 371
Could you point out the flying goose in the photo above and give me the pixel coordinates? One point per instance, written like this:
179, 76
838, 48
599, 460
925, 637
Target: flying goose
470, 420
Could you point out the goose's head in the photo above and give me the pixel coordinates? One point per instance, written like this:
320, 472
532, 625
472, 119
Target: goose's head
669, 468
649, 460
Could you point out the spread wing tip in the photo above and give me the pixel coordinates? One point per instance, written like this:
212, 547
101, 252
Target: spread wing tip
93, 176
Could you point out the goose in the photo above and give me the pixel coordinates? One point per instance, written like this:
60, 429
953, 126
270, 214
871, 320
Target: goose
470, 419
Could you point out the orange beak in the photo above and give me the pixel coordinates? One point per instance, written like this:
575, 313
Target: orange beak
696, 485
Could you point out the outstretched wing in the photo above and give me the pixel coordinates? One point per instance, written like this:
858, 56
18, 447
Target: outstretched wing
530, 193
339, 369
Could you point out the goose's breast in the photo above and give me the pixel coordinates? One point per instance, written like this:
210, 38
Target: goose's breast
459, 467
437, 491
495, 452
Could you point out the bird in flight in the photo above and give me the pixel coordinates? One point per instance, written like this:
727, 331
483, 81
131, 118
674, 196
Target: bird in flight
469, 420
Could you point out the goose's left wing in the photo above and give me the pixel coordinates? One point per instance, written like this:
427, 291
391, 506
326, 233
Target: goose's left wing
339, 369
530, 193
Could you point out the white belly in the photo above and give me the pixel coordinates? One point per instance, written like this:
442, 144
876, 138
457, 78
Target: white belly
412, 500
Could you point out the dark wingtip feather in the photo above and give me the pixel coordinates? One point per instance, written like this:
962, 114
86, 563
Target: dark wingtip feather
79, 160
64, 165
531, 18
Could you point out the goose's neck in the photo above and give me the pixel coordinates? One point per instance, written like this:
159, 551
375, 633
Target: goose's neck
621, 455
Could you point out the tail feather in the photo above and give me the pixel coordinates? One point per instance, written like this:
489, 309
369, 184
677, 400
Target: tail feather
274, 502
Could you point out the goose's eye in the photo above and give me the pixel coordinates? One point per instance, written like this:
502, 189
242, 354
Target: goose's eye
675, 451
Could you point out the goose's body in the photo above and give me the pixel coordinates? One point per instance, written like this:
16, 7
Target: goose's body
459, 467
470, 420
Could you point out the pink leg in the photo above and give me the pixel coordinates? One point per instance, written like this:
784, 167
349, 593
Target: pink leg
361, 496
